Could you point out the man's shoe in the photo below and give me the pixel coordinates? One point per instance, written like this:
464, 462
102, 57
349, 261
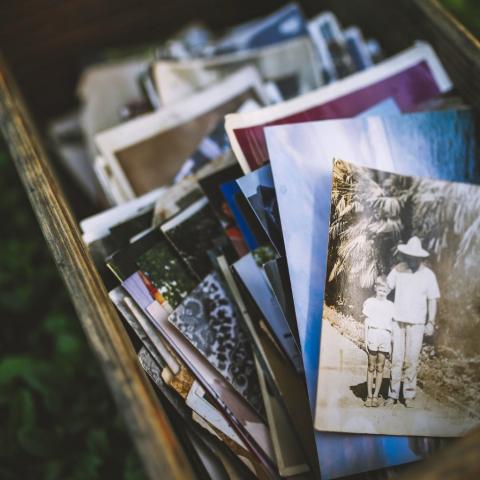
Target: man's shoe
390, 402
410, 403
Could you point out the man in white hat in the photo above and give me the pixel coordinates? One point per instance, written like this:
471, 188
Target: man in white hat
416, 295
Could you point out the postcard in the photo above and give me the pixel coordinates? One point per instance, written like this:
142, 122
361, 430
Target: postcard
99, 250
246, 422
288, 451
390, 340
117, 238
123, 262
174, 372
155, 372
211, 187
155, 338
99, 225
357, 48
235, 469
124, 231
288, 385
168, 273
185, 192
301, 154
286, 23
117, 295
332, 48
101, 104
256, 284
177, 197
259, 190
181, 416
131, 150
214, 145
292, 66
251, 230
193, 232
180, 378
200, 441
201, 406
287, 391
251, 428
276, 271
410, 77
207, 318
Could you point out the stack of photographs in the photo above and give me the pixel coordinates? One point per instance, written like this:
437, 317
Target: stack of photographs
292, 243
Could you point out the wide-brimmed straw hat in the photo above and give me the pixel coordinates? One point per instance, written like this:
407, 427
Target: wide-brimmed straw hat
413, 248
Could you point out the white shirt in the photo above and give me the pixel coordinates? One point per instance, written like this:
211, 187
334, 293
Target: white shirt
379, 313
412, 290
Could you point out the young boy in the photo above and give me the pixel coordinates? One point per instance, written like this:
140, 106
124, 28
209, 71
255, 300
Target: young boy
378, 313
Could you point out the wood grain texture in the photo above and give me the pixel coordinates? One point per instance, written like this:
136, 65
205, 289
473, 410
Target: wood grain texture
149, 426
458, 49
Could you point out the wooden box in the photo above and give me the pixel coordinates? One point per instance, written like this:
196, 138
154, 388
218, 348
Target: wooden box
43, 42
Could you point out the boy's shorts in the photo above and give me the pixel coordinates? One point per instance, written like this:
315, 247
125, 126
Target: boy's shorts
379, 340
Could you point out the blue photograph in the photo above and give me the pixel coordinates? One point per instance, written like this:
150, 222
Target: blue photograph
439, 145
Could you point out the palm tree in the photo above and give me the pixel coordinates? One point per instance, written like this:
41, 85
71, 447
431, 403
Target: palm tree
366, 221
447, 216
372, 212
368, 211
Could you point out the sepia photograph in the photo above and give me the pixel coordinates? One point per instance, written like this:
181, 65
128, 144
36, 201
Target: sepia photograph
399, 348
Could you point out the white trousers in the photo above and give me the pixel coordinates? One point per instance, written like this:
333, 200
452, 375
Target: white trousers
407, 344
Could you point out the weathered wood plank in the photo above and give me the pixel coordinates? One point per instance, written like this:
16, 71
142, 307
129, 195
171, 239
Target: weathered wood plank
458, 49
149, 426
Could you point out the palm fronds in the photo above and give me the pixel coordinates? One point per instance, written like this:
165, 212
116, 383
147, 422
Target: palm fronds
371, 212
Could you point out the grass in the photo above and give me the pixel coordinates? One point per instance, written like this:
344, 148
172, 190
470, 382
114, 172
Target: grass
58, 419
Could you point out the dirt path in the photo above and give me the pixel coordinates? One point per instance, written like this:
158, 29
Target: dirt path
343, 367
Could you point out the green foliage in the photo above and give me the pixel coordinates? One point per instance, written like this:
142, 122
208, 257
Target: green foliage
373, 212
167, 273
366, 223
58, 420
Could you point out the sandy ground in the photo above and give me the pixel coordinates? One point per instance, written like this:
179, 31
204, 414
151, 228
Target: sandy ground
340, 406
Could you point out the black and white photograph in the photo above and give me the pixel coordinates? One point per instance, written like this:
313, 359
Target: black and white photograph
399, 344
259, 190
193, 232
207, 318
